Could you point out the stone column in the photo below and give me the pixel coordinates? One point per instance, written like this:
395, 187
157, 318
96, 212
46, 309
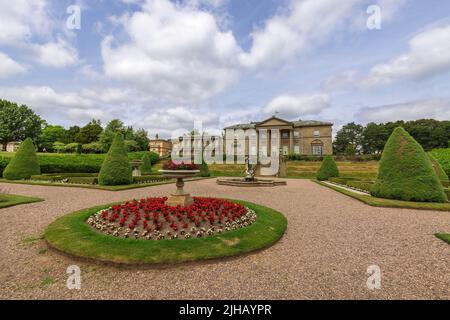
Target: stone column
291, 141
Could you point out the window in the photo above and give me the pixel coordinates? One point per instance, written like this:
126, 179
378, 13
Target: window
285, 135
296, 134
297, 149
316, 133
317, 150
285, 150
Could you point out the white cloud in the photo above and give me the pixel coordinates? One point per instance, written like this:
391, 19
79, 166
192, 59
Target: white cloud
296, 106
174, 51
428, 55
23, 22
55, 54
305, 24
20, 19
429, 109
9, 67
177, 120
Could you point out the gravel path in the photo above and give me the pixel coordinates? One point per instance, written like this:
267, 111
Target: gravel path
330, 242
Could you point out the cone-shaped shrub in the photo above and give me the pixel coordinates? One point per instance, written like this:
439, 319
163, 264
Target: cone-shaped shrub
116, 169
437, 168
406, 172
328, 169
24, 164
146, 167
204, 170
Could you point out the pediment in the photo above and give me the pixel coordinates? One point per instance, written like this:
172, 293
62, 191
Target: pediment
274, 121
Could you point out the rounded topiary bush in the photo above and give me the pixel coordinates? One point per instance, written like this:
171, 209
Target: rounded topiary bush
437, 168
24, 164
116, 169
406, 172
328, 169
146, 167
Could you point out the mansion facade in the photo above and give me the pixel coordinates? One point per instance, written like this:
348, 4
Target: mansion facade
295, 137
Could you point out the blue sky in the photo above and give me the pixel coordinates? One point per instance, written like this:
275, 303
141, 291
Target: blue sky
161, 65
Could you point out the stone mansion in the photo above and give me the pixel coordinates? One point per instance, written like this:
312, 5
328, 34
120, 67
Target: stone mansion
296, 137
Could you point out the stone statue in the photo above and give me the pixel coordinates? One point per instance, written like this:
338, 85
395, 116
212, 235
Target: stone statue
249, 170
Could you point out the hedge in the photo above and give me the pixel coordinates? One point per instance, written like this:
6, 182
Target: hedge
362, 185
74, 163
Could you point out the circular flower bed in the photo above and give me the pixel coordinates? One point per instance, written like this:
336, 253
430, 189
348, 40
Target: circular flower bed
152, 219
72, 234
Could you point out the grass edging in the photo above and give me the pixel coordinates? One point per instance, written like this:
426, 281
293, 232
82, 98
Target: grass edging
10, 200
98, 187
389, 203
71, 235
443, 236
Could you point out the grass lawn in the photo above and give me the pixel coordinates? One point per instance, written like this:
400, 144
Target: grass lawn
308, 169
443, 236
10, 200
389, 203
304, 169
71, 234
96, 186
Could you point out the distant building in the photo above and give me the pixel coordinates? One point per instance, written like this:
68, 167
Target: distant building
296, 137
160, 146
13, 146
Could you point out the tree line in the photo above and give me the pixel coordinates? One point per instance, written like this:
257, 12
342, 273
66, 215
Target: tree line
20, 122
355, 138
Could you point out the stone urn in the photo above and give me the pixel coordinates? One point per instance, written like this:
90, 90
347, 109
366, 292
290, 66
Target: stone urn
136, 166
180, 197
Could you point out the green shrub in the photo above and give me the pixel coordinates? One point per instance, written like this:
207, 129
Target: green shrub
447, 192
149, 179
362, 185
446, 184
59, 147
71, 147
94, 147
204, 170
406, 172
146, 167
437, 168
82, 180
49, 178
350, 150
328, 169
74, 163
341, 180
116, 169
24, 164
443, 156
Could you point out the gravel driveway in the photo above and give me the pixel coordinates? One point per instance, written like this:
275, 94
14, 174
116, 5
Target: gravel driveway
330, 242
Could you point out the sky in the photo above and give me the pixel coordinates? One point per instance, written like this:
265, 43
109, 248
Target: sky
162, 65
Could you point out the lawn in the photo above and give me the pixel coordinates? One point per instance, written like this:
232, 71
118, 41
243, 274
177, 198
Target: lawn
10, 200
389, 203
96, 186
444, 237
308, 169
304, 169
72, 235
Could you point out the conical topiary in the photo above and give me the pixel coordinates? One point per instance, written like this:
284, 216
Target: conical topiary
328, 169
437, 168
116, 169
146, 167
204, 169
406, 172
24, 164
